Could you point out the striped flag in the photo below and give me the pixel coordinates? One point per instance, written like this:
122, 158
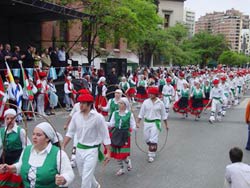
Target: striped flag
1, 86
26, 84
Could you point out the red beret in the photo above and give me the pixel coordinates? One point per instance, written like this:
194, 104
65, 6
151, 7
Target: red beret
168, 80
83, 91
85, 98
42, 74
223, 78
231, 75
216, 81
181, 74
153, 90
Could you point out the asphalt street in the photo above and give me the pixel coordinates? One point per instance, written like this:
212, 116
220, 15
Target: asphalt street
195, 155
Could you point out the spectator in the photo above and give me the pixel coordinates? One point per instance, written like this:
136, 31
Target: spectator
46, 60
28, 58
247, 120
7, 54
238, 173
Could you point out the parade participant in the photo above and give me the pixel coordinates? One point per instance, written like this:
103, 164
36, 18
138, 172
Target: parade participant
76, 108
14, 140
181, 106
197, 96
112, 103
53, 98
69, 98
40, 163
180, 85
4, 99
132, 89
90, 128
240, 86
161, 82
168, 93
28, 99
238, 173
101, 96
153, 111
124, 85
232, 86
141, 94
42, 94
206, 90
216, 97
15, 97
226, 93
122, 121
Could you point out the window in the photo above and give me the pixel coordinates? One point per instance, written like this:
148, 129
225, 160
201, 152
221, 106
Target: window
166, 20
64, 31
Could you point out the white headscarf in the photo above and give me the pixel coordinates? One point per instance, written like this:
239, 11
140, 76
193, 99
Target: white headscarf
126, 102
101, 79
10, 111
49, 132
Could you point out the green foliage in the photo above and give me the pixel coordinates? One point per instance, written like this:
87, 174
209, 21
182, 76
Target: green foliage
233, 58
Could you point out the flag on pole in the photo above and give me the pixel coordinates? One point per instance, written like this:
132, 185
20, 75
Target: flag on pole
10, 76
26, 85
1, 86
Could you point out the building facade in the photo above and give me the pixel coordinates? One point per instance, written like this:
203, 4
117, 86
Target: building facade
229, 23
172, 11
245, 41
189, 20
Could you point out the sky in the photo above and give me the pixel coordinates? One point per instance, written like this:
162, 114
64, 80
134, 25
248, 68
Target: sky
201, 7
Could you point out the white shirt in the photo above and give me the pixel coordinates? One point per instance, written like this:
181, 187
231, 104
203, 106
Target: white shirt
67, 86
216, 92
61, 55
22, 137
131, 122
37, 159
238, 175
168, 90
76, 108
152, 110
90, 131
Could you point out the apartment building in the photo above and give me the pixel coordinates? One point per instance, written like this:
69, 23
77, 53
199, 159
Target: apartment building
189, 21
229, 23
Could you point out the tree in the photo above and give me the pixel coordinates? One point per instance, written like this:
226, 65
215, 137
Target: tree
115, 19
208, 46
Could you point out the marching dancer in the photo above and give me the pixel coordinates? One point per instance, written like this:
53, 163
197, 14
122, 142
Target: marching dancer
216, 97
197, 96
122, 121
168, 94
181, 106
153, 111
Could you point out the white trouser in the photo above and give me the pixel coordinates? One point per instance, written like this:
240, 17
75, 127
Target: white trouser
151, 133
224, 105
86, 160
167, 101
216, 107
40, 104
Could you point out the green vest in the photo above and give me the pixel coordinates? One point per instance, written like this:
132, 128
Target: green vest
45, 175
125, 87
198, 95
13, 141
131, 84
113, 107
125, 120
142, 83
162, 82
185, 93
207, 89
